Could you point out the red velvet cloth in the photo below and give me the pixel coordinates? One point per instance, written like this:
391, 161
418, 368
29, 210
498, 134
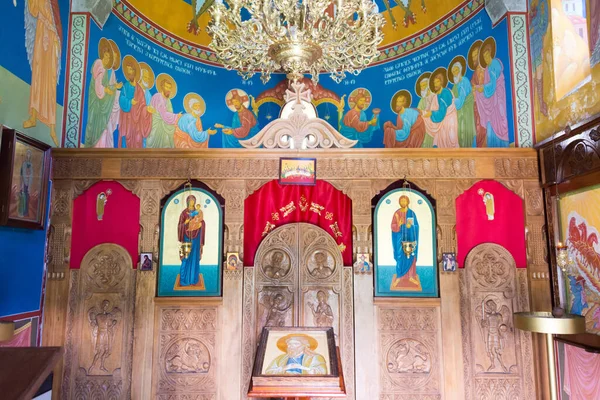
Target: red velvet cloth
274, 205
120, 222
473, 226
21, 338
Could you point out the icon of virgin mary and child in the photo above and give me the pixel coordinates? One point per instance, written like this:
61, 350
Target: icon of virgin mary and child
191, 231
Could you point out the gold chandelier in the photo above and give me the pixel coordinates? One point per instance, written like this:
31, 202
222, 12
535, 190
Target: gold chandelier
296, 36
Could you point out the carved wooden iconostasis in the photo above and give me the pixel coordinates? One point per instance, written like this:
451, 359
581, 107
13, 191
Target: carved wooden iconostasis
124, 342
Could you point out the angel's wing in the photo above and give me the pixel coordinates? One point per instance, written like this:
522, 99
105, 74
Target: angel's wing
506, 316
116, 314
479, 317
30, 28
92, 313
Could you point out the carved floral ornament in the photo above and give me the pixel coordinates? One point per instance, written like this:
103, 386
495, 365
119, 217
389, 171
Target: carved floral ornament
298, 126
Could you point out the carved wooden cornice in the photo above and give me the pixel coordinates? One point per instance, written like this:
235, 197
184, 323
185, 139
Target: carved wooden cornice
571, 153
264, 164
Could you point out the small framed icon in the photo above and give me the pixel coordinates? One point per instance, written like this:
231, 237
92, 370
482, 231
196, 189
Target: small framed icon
449, 262
146, 262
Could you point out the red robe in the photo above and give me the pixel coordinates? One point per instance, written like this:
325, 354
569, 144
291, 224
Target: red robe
352, 120
414, 140
477, 80
248, 121
136, 124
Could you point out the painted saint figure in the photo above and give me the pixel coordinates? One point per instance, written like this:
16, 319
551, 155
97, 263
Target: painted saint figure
300, 357
405, 229
163, 118
101, 97
463, 101
491, 96
188, 131
146, 81
43, 36
244, 122
477, 79
191, 230
355, 124
103, 323
422, 88
322, 312
409, 130
441, 120
26, 174
579, 303
134, 122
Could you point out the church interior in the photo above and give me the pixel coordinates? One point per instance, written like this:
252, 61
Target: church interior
314, 199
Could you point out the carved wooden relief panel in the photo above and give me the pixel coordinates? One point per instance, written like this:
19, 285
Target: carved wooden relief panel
497, 356
185, 352
410, 352
300, 280
99, 344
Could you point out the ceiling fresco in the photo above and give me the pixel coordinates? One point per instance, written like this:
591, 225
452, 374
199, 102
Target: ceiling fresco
180, 25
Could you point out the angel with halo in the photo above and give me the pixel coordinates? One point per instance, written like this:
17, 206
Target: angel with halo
493, 326
103, 323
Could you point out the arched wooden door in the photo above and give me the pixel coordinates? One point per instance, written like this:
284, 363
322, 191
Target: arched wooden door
299, 280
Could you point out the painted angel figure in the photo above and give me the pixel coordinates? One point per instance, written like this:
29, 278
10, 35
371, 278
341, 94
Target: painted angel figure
43, 35
493, 326
103, 323
276, 308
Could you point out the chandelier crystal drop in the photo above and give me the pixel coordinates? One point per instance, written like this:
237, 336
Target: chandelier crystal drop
296, 37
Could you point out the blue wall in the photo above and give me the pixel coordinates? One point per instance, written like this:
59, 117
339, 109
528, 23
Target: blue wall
22, 250
21, 269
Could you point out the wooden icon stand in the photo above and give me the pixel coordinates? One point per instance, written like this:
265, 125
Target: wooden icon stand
293, 386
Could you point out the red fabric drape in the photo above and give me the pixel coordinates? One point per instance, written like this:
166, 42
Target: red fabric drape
581, 373
21, 338
120, 222
274, 205
474, 226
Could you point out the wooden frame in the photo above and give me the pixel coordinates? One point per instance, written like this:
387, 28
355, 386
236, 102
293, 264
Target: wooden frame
309, 181
569, 162
297, 384
380, 289
8, 154
219, 201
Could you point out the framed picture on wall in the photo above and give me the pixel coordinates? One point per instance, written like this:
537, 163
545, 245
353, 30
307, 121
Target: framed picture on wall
297, 171
191, 243
24, 174
404, 242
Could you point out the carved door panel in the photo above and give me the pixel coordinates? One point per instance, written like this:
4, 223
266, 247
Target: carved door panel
300, 280
499, 356
99, 342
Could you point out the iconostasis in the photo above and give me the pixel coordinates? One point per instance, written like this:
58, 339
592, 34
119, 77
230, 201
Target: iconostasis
188, 274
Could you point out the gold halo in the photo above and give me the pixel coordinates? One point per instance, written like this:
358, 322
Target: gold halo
104, 43
166, 77
237, 93
362, 92
282, 342
116, 53
440, 71
148, 68
488, 42
404, 92
463, 63
475, 46
424, 75
129, 60
190, 96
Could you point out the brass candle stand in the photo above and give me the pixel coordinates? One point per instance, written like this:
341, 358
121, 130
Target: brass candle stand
546, 323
